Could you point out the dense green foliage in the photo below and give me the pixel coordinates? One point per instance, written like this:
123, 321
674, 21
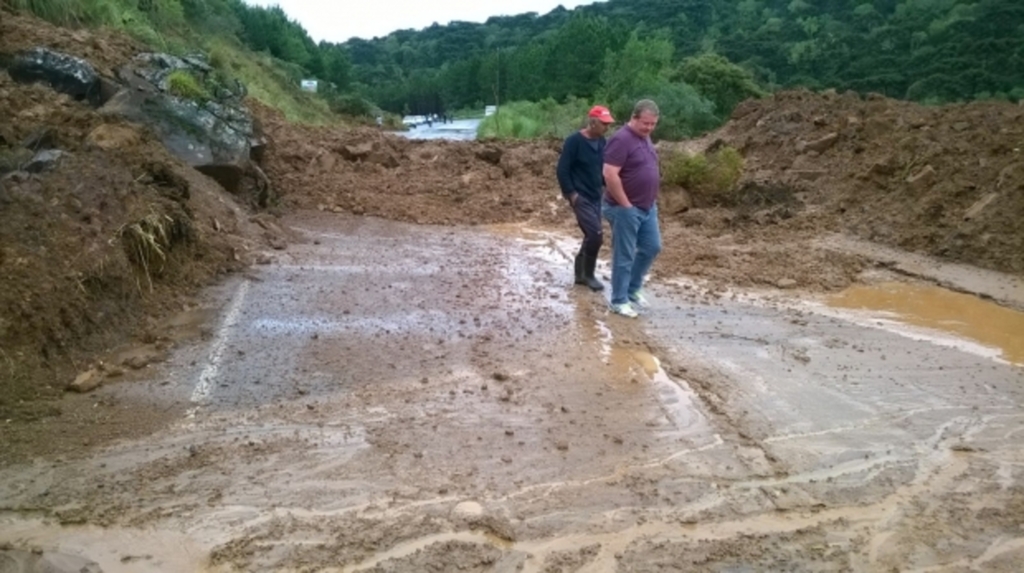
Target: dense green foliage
926, 50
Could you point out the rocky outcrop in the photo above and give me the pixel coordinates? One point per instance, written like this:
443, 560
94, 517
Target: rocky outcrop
208, 128
66, 74
216, 136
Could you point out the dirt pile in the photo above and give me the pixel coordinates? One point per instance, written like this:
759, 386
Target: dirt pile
103, 230
369, 172
946, 181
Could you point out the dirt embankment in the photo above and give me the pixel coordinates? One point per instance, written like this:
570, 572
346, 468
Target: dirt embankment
101, 235
945, 181
369, 172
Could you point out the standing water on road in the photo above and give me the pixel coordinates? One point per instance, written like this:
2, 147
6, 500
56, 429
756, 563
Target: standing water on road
937, 308
458, 130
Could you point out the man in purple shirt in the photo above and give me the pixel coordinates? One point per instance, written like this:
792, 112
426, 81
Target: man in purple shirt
632, 179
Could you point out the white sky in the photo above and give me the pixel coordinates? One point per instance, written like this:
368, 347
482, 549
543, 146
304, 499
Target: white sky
339, 20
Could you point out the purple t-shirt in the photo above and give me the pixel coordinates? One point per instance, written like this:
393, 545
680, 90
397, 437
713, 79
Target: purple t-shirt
638, 159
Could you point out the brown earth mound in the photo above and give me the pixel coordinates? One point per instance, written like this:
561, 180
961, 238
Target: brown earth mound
366, 171
110, 232
946, 181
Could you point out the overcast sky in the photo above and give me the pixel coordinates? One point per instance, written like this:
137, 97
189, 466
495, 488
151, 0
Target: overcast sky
337, 21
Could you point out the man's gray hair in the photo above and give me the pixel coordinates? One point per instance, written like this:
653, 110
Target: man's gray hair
647, 105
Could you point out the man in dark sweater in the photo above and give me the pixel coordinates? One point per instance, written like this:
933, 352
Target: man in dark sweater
579, 175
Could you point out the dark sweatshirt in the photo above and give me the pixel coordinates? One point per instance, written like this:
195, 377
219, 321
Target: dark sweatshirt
580, 167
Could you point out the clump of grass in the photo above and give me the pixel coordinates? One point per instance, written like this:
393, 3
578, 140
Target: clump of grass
711, 176
183, 84
270, 81
147, 241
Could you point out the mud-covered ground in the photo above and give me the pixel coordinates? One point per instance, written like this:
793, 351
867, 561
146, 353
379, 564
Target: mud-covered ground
393, 397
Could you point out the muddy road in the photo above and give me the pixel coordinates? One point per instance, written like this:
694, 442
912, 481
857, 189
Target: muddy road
389, 397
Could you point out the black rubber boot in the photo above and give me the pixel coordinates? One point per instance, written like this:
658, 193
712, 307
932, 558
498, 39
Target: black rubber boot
581, 278
589, 265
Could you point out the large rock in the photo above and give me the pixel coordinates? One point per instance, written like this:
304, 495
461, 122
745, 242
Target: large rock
217, 137
66, 74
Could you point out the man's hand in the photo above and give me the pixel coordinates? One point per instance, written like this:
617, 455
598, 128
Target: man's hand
613, 185
573, 198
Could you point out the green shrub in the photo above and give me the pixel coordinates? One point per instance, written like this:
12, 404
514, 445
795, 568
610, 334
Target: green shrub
219, 59
722, 82
184, 84
708, 178
685, 170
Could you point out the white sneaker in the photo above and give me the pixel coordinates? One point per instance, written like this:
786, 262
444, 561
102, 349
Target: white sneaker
639, 300
624, 309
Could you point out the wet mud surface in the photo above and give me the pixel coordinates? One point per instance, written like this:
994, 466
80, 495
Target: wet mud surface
389, 397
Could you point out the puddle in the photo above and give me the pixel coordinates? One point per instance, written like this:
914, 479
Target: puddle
626, 359
676, 398
940, 309
551, 247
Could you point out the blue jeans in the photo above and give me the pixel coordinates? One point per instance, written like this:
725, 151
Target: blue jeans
636, 241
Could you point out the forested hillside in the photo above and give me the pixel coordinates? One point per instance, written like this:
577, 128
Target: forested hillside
924, 50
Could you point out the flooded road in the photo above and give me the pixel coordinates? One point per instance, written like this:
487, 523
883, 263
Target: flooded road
456, 130
387, 397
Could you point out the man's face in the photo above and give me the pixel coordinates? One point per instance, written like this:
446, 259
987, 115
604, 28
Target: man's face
645, 123
599, 128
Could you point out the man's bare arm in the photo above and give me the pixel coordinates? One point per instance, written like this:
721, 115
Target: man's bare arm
613, 183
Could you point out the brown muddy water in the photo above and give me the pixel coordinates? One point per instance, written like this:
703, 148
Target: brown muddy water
933, 307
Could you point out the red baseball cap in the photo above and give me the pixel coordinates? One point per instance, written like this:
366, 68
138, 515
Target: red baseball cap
600, 112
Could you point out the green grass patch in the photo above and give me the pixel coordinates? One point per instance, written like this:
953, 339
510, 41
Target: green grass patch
183, 84
709, 178
531, 120
270, 81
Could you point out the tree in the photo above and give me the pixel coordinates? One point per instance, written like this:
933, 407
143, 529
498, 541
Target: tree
576, 56
642, 65
719, 80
